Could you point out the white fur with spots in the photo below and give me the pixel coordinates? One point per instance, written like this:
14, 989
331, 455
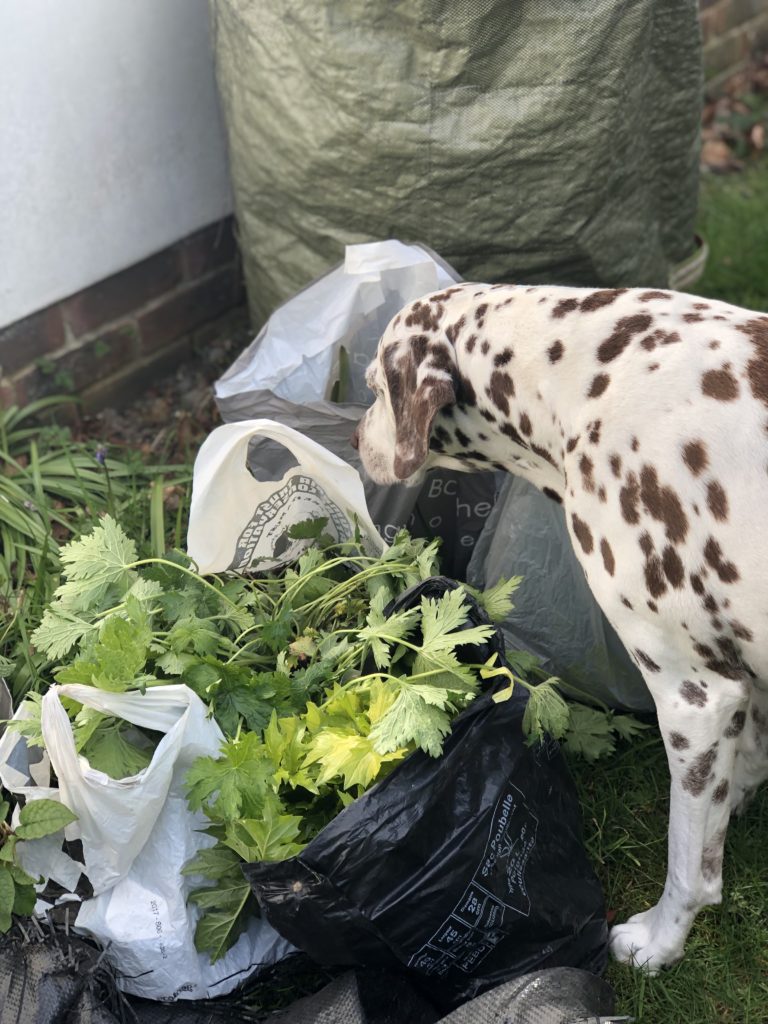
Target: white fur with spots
646, 413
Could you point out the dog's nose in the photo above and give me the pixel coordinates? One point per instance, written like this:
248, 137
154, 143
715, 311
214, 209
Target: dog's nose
355, 439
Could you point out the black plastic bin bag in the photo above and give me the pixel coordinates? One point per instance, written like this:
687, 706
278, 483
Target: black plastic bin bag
467, 869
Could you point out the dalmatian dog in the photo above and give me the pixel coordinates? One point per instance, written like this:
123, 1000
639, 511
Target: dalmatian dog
645, 413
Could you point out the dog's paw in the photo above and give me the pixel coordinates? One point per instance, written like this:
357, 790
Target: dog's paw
642, 943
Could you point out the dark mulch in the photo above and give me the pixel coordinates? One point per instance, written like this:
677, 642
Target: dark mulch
169, 422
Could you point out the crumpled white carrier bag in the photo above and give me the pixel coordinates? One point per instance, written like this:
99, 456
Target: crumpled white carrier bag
137, 833
240, 523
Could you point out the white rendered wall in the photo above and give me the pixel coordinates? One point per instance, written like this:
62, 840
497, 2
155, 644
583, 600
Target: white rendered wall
111, 141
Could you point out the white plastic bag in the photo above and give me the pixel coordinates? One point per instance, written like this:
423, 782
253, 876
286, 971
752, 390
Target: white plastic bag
349, 307
135, 835
238, 522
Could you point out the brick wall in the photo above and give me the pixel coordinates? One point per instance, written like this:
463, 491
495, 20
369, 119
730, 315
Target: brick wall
110, 340
731, 30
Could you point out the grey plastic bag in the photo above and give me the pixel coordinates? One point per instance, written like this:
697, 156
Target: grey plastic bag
306, 370
555, 615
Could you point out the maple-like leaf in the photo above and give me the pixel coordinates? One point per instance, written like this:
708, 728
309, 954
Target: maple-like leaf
271, 837
411, 720
590, 733
382, 631
238, 778
496, 601
345, 755
95, 562
545, 712
60, 630
115, 659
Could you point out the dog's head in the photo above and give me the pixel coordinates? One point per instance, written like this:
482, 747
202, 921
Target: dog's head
413, 377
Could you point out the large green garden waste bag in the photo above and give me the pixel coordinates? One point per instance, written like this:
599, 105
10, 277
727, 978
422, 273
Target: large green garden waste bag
523, 140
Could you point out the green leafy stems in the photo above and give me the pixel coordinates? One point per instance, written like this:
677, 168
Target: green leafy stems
319, 687
37, 818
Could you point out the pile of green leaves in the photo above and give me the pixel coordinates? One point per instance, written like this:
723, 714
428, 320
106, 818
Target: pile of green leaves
318, 688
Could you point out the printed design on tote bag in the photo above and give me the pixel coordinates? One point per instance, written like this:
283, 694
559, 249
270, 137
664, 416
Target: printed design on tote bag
298, 499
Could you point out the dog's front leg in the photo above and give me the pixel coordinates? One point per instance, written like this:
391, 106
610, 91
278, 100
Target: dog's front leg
697, 713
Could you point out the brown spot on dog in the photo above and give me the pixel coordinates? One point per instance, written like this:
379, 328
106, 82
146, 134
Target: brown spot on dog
452, 331
422, 315
485, 348
623, 333
594, 432
615, 463
757, 368
669, 337
553, 495
525, 424
608, 560
646, 544
572, 442
651, 295
543, 454
555, 351
471, 342
663, 504
564, 306
601, 298
626, 602
699, 774
598, 385
586, 466
654, 576
480, 312
673, 567
466, 395
720, 384
740, 631
695, 456
727, 571
696, 583
693, 693
602, 494
678, 741
693, 318
717, 500
635, 444
653, 606
502, 389
583, 534
736, 725
629, 497
510, 432
503, 357
649, 663
712, 856
649, 343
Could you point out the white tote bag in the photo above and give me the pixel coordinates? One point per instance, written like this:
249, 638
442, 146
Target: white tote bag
241, 523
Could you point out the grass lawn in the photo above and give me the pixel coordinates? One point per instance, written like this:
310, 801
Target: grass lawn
724, 976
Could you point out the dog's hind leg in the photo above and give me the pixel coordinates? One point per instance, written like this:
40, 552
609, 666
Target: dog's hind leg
696, 709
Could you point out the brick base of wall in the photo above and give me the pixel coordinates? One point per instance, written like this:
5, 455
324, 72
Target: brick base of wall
108, 342
732, 31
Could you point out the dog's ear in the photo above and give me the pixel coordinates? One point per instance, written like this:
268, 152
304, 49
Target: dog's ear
421, 380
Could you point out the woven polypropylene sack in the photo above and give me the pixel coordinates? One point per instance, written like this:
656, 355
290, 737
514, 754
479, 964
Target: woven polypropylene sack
526, 141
